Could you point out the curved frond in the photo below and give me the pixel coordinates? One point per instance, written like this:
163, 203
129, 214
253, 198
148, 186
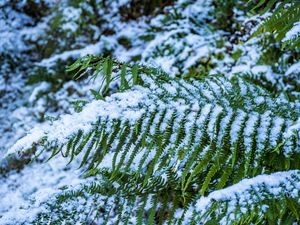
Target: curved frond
199, 134
282, 21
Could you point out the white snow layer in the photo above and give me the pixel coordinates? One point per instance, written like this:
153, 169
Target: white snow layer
276, 183
115, 106
22, 194
292, 33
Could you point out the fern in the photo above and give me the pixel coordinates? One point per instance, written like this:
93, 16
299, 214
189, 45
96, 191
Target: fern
254, 200
251, 200
285, 16
171, 141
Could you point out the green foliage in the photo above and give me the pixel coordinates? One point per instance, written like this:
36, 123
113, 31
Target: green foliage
112, 206
175, 150
189, 138
138, 8
79, 104
282, 20
224, 15
109, 70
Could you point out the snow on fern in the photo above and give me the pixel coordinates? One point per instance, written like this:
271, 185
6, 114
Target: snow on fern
158, 147
292, 33
119, 105
147, 127
238, 200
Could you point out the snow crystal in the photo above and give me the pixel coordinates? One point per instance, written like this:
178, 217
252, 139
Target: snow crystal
170, 89
262, 130
259, 100
236, 126
291, 130
212, 121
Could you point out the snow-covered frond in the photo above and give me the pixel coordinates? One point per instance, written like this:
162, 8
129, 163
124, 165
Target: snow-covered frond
283, 22
211, 137
202, 135
252, 200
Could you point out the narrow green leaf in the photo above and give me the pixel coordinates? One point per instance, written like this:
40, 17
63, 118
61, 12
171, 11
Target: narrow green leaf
124, 83
134, 72
107, 70
97, 94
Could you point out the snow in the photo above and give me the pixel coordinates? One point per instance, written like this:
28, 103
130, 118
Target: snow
292, 129
262, 130
201, 54
274, 182
44, 86
292, 33
236, 126
212, 120
249, 131
18, 196
177, 46
223, 125
92, 49
275, 130
294, 69
116, 106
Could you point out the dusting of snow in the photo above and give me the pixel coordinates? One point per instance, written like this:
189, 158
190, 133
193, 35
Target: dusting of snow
294, 69
237, 193
292, 33
22, 201
114, 107
177, 46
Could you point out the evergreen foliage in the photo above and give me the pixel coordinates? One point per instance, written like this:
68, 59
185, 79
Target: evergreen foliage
171, 141
282, 20
209, 134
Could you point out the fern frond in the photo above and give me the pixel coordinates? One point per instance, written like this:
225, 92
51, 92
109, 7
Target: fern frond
189, 137
282, 20
253, 201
